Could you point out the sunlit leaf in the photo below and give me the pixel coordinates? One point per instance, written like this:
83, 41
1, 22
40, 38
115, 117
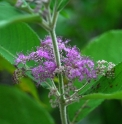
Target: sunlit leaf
28, 86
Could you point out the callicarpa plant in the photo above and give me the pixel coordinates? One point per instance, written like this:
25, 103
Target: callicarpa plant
55, 58
79, 76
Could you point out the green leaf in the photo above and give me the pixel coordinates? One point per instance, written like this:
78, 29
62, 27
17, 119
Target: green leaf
25, 84
19, 108
107, 47
28, 86
21, 18
64, 14
103, 89
116, 95
108, 86
17, 38
13, 2
5, 65
8, 11
80, 109
11, 15
62, 4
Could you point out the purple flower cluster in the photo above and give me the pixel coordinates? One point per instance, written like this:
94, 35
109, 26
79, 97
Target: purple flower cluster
77, 66
74, 65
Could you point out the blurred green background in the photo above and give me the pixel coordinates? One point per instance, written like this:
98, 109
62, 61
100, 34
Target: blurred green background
80, 21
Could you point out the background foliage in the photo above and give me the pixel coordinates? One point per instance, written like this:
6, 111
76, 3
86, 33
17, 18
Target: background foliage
82, 21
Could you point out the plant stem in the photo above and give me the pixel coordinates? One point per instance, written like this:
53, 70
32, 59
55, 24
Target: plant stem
63, 114
62, 105
55, 48
52, 24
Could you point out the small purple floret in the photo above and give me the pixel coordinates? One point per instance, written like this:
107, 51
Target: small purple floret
21, 59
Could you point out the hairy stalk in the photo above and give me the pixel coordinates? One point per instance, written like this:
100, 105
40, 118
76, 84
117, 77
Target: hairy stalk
52, 24
63, 113
62, 105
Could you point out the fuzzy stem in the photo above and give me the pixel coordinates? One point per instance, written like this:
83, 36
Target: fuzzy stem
55, 47
52, 24
63, 113
62, 106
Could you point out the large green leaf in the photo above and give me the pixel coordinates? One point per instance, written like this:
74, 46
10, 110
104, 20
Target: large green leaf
13, 2
107, 47
16, 107
8, 11
11, 15
21, 18
80, 109
103, 89
107, 88
16, 38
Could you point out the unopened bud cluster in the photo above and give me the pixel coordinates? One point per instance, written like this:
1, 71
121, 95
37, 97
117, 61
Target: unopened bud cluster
54, 97
71, 93
69, 89
105, 68
18, 74
38, 5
